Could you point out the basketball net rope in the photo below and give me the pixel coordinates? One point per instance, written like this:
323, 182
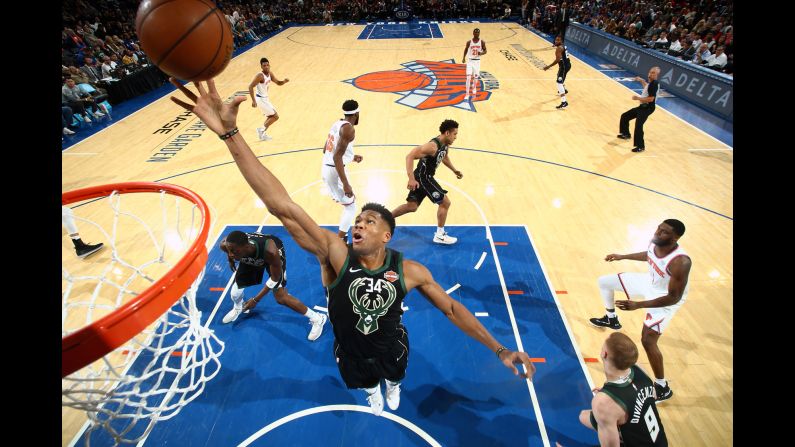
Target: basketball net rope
157, 372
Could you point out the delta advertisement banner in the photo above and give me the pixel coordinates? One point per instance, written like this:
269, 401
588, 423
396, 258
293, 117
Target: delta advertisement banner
708, 88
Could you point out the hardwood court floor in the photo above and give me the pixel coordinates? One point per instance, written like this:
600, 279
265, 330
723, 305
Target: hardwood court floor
580, 191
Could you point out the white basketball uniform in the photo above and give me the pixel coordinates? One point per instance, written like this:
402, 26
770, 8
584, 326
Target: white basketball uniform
261, 94
329, 171
650, 286
473, 58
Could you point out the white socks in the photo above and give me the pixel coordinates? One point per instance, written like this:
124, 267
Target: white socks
237, 295
662, 382
311, 314
606, 290
440, 231
67, 218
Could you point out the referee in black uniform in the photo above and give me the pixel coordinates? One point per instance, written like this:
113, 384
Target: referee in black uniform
640, 113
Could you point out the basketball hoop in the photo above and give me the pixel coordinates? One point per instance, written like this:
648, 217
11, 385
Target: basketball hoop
142, 352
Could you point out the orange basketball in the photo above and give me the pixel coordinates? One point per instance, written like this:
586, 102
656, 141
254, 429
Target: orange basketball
188, 39
392, 81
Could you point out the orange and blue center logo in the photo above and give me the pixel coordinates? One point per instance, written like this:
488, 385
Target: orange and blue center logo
427, 85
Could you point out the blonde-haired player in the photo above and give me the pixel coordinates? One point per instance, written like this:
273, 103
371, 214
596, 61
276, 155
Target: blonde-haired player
475, 48
262, 81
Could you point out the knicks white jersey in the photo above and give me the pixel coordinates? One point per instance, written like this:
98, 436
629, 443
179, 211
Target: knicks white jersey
658, 269
331, 144
262, 87
474, 50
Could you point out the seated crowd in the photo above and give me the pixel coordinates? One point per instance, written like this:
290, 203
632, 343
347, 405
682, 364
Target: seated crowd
699, 32
99, 41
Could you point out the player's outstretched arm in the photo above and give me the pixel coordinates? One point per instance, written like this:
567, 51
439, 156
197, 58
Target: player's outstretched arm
221, 118
417, 275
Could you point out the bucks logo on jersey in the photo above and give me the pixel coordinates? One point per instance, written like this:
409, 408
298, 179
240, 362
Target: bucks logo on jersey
371, 298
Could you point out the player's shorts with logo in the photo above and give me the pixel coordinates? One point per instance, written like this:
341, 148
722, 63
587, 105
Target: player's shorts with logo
562, 71
249, 275
638, 285
265, 105
429, 187
360, 372
473, 67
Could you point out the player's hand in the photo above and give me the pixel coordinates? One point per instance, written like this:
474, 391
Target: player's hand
358, 158
635, 97
546, 68
286, 80
627, 304
509, 358
250, 304
219, 116
458, 174
613, 257
348, 190
413, 184
254, 103
464, 61
639, 79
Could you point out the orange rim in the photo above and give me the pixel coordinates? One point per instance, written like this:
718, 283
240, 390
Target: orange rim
100, 337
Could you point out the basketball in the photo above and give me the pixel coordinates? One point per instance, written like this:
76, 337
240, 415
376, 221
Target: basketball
188, 39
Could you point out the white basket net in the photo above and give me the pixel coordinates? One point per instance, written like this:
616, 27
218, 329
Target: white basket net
157, 372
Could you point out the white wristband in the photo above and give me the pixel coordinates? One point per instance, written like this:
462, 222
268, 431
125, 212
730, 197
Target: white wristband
271, 284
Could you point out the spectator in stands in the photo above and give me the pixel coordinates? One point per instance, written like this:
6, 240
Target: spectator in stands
717, 60
676, 46
662, 43
702, 54
695, 40
66, 120
78, 100
710, 41
562, 18
111, 46
80, 77
139, 55
688, 51
128, 58
506, 12
92, 71
107, 67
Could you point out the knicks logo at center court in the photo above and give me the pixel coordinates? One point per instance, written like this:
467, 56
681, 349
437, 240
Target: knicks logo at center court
428, 85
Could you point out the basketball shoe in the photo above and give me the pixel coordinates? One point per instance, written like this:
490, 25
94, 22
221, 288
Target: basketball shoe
608, 322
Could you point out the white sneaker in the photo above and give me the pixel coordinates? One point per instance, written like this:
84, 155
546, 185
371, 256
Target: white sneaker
392, 395
317, 327
265, 137
466, 98
98, 114
376, 401
445, 239
233, 314
86, 118
260, 132
68, 131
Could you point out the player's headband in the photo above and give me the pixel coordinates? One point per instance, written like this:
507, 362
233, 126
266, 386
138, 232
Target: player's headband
350, 112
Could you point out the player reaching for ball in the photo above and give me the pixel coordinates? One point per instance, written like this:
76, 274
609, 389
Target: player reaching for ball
365, 281
262, 81
475, 48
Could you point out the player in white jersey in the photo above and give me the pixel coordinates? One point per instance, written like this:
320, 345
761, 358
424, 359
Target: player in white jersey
262, 81
664, 290
474, 49
337, 153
